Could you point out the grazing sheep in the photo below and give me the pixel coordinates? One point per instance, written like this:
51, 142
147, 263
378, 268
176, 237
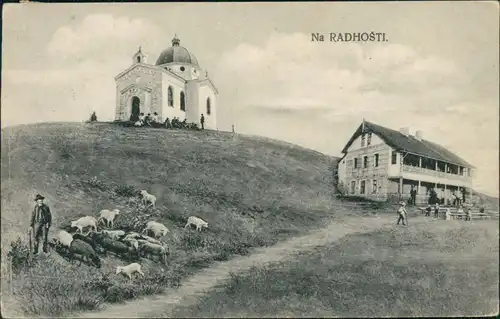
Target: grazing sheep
115, 246
129, 270
148, 199
86, 239
147, 248
132, 243
85, 250
85, 222
114, 234
64, 239
108, 216
132, 235
156, 228
198, 222
152, 240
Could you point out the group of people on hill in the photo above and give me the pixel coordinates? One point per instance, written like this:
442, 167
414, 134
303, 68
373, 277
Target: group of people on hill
153, 121
150, 120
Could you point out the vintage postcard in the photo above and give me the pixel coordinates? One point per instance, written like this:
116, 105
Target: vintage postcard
250, 159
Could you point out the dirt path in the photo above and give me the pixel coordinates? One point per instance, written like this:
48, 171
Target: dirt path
194, 286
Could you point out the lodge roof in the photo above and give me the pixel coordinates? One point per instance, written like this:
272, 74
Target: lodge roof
410, 144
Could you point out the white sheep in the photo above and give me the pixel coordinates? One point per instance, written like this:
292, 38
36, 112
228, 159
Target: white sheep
198, 222
148, 248
132, 235
148, 199
85, 222
129, 270
158, 229
108, 216
114, 234
64, 238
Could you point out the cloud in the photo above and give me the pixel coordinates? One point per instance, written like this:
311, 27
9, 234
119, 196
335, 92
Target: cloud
289, 70
99, 32
80, 64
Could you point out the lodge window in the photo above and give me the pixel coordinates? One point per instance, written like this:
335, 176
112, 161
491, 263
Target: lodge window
362, 190
374, 186
363, 140
376, 160
394, 157
369, 140
356, 163
365, 162
138, 59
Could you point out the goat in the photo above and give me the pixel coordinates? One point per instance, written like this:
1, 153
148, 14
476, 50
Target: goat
85, 222
129, 270
108, 216
158, 229
198, 222
148, 199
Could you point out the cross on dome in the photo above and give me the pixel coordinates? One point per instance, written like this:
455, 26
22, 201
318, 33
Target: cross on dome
176, 41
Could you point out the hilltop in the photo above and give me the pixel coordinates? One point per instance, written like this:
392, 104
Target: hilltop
252, 191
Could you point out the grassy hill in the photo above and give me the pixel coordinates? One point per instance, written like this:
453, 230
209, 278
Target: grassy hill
429, 269
252, 191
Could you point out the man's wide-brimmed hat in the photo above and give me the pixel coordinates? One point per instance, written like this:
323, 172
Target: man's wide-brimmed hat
402, 203
38, 196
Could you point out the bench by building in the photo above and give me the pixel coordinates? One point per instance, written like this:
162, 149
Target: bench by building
382, 164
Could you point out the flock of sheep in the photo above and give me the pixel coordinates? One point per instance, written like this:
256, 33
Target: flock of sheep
131, 245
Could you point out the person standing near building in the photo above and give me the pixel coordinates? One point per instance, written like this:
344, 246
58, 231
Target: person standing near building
436, 211
402, 213
202, 121
413, 194
41, 219
459, 197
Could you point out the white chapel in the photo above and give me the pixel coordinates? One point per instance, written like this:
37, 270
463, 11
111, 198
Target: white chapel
175, 86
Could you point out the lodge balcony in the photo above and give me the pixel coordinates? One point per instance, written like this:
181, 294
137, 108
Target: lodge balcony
429, 175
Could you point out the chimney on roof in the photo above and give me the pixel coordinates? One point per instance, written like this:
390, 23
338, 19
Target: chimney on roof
405, 131
419, 135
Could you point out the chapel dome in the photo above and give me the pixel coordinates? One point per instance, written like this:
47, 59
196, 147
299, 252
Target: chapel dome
176, 53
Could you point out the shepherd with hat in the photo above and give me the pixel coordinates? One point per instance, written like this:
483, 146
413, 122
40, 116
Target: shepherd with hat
403, 214
41, 219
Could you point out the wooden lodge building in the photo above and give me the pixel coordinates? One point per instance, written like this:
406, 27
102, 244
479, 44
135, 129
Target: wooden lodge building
381, 164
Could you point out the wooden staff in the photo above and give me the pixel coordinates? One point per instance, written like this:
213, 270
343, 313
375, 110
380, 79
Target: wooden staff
10, 277
30, 246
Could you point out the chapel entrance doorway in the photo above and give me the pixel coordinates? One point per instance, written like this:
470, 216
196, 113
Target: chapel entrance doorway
135, 109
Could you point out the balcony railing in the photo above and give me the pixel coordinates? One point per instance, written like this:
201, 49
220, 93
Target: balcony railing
433, 173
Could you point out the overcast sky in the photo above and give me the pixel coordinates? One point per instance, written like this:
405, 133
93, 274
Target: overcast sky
438, 72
